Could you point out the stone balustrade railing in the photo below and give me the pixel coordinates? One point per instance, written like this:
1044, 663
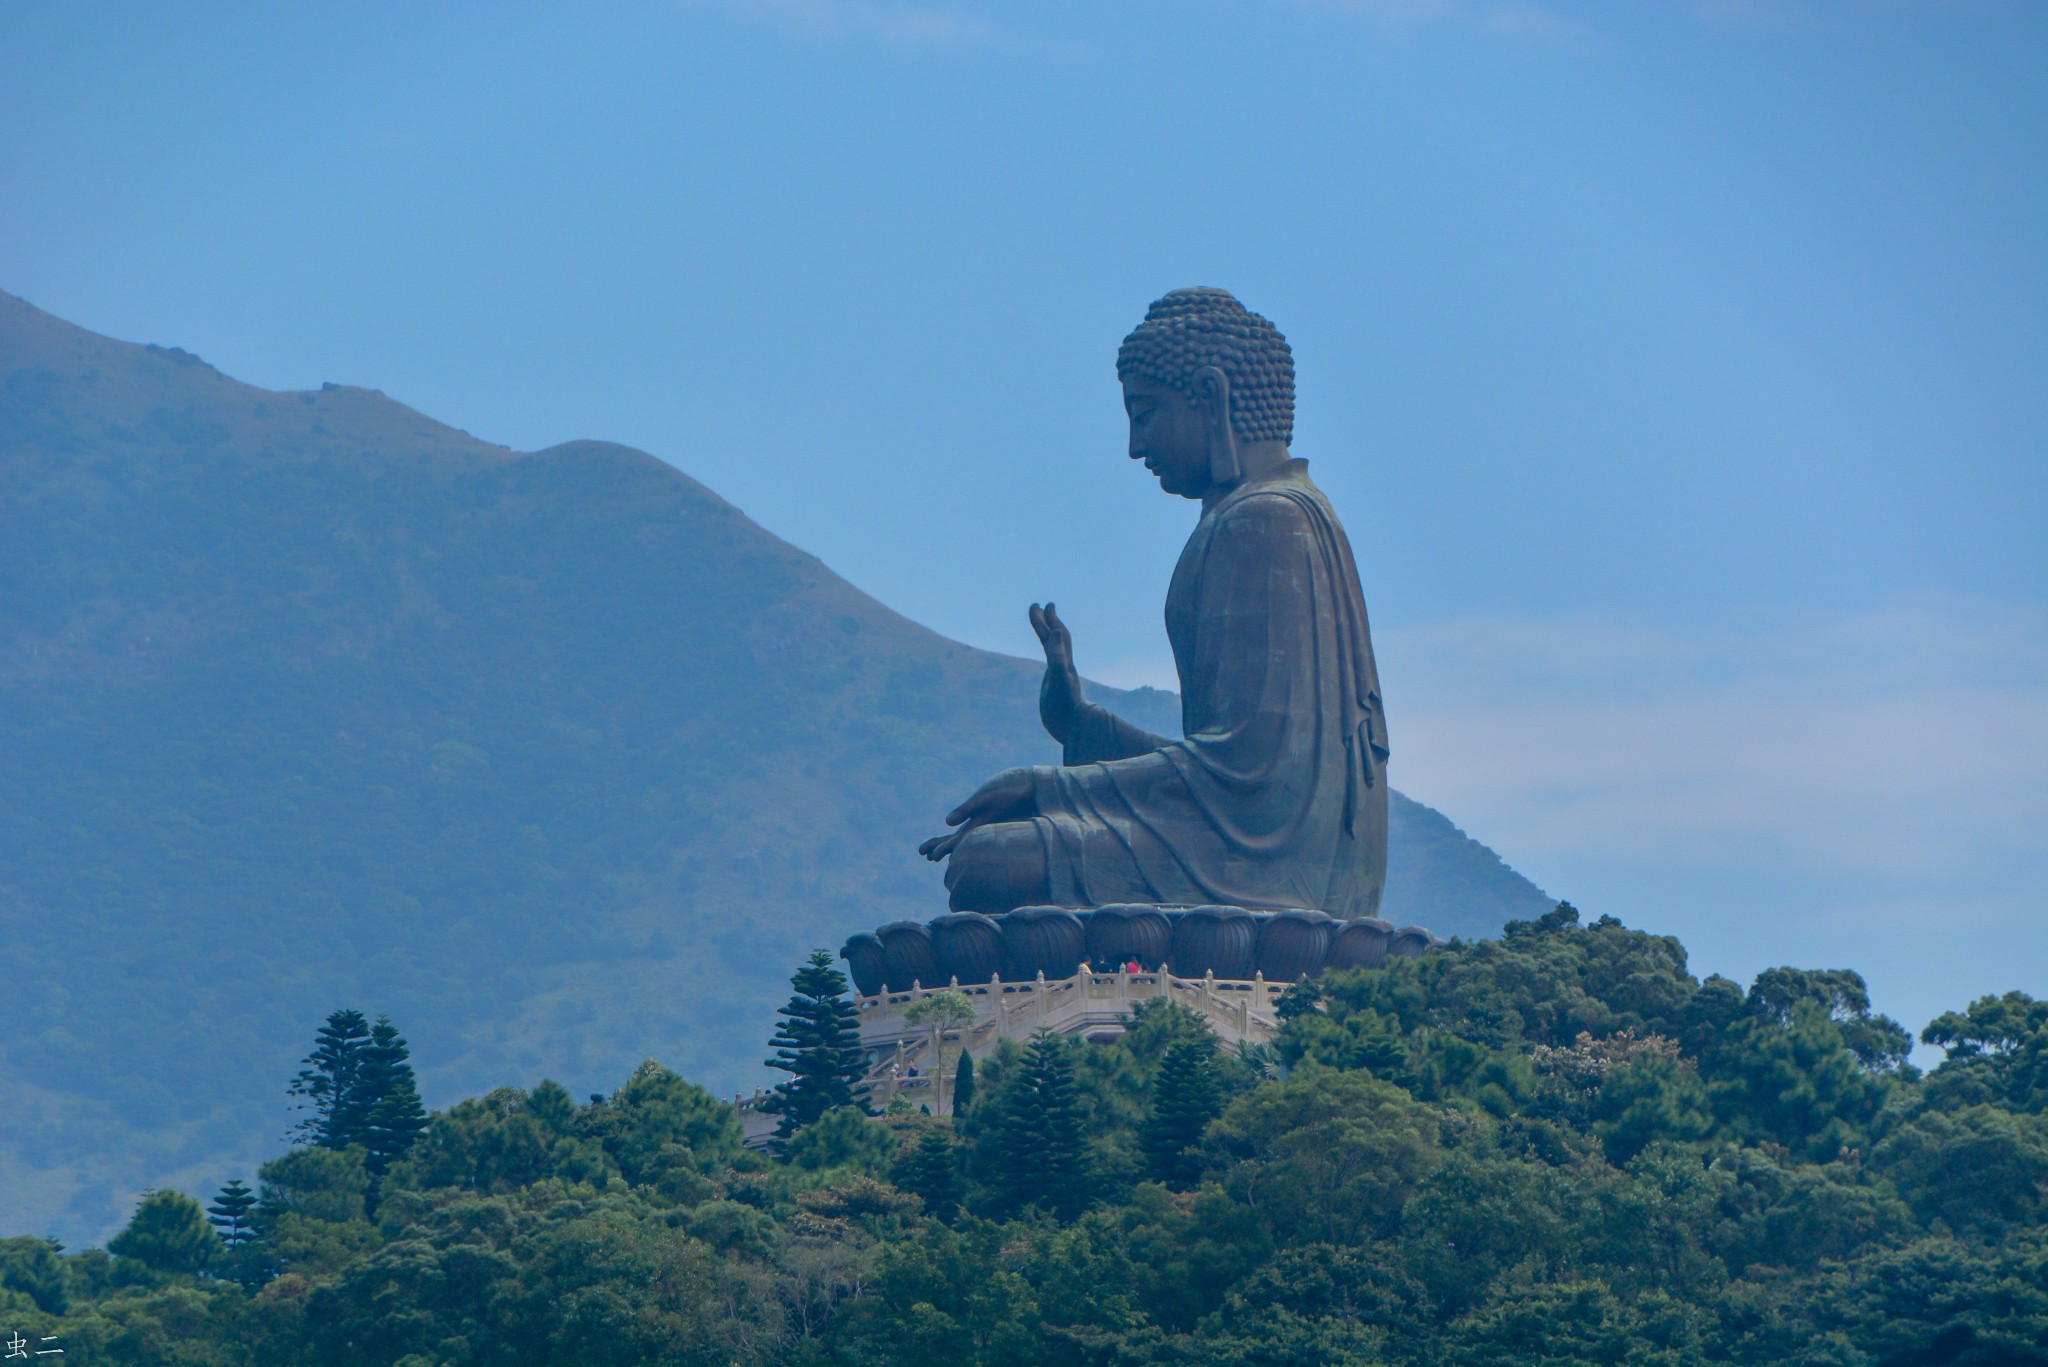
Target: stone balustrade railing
917, 1061
1232, 943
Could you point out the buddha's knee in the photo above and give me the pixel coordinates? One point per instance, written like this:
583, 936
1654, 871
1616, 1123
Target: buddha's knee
997, 868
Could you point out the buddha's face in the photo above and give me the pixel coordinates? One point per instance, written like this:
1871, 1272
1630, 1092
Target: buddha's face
1169, 434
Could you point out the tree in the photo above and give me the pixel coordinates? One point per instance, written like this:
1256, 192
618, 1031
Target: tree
328, 1082
931, 1171
319, 1184
1879, 1042
168, 1233
1562, 917
1980, 1170
1997, 1052
1184, 1101
1300, 999
842, 1138
963, 1084
1041, 1153
657, 1110
230, 1214
388, 1097
359, 1084
234, 1217
947, 1010
942, 1011
1799, 1085
1332, 1155
35, 1268
818, 1045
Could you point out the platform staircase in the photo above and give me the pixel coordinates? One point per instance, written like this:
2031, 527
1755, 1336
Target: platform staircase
917, 1062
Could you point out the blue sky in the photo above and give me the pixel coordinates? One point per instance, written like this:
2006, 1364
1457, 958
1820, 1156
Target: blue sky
1681, 371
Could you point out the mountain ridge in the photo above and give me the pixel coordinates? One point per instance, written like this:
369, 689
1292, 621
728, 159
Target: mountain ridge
308, 699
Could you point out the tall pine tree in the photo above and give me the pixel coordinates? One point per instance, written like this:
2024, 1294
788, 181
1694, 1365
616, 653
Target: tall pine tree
233, 1217
1041, 1148
230, 1214
390, 1100
1184, 1101
818, 1045
328, 1083
358, 1083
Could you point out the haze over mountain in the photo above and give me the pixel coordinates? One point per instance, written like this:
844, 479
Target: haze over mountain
307, 700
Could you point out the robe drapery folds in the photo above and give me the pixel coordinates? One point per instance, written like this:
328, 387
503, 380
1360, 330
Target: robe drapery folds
1277, 795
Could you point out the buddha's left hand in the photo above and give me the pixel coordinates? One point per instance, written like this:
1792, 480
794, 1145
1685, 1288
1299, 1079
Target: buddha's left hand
1006, 797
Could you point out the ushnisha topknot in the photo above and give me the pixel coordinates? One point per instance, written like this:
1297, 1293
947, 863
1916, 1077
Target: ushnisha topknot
1188, 329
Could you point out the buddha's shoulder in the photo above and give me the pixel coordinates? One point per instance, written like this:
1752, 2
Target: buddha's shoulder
1275, 507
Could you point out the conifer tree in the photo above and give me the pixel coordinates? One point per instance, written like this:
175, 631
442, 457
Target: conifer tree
230, 1214
931, 1172
389, 1098
1184, 1101
963, 1084
233, 1216
1041, 1153
328, 1082
818, 1045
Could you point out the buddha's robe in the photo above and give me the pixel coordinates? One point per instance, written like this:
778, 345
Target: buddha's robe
1277, 794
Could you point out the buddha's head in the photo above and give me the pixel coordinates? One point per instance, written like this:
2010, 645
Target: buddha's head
1204, 378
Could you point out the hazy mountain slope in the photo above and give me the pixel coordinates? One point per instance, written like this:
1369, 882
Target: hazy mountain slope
306, 699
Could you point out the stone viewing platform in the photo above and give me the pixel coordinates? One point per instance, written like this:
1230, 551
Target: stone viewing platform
1081, 972
906, 1060
916, 1062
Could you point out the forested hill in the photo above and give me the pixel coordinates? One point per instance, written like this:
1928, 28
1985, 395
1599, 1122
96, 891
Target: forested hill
1555, 1149
307, 700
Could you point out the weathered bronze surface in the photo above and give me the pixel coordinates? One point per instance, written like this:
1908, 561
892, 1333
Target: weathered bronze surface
1276, 795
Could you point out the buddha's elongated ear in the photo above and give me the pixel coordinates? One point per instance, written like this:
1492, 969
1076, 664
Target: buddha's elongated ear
1212, 396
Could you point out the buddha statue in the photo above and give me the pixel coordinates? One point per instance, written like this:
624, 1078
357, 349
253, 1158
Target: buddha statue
1275, 796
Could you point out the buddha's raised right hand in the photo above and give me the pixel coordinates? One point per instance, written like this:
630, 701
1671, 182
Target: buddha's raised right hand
1059, 693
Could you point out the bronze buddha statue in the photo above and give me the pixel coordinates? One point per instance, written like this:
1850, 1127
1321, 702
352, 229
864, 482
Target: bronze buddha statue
1275, 796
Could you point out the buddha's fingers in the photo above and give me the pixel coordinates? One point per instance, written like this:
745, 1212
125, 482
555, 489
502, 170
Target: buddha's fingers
939, 846
1052, 633
1058, 640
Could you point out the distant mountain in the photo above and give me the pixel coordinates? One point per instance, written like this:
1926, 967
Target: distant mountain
307, 700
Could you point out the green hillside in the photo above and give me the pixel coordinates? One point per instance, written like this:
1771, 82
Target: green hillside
308, 700
1555, 1149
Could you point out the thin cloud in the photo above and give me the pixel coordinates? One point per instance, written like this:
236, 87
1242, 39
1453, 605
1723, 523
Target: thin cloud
1912, 742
